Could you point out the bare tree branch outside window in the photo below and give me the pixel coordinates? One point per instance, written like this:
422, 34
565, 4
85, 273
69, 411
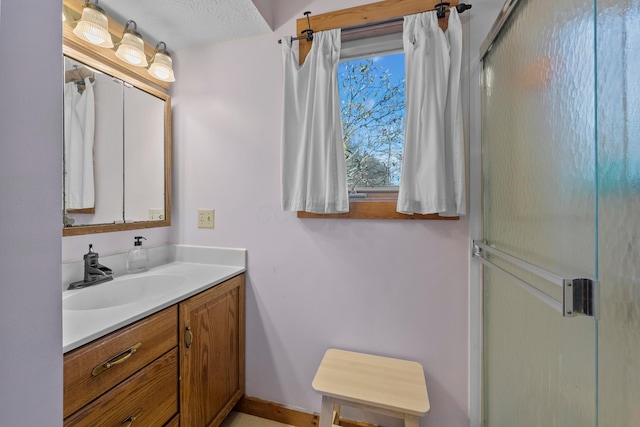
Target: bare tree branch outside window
372, 96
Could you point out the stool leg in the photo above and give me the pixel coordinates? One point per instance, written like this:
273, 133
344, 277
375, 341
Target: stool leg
336, 414
326, 412
410, 420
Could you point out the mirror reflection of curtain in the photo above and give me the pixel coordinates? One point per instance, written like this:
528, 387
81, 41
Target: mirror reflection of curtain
79, 124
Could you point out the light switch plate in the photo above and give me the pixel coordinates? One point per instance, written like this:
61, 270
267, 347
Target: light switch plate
205, 218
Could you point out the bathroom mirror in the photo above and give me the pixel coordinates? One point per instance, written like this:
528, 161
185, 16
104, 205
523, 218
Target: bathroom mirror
117, 146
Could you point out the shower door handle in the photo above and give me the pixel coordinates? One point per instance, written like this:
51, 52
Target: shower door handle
579, 296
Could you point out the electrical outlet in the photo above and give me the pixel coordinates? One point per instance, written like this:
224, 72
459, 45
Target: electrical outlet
156, 214
205, 218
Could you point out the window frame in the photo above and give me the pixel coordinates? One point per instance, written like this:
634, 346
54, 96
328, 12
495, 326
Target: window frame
388, 10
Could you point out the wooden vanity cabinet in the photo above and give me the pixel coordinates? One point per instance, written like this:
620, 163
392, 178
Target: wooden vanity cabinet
212, 353
182, 366
95, 368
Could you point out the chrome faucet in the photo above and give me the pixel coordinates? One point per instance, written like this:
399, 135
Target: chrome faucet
94, 272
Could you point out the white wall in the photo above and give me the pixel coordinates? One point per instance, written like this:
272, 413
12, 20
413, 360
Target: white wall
396, 288
30, 213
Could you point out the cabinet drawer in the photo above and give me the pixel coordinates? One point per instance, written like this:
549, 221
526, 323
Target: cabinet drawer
174, 422
148, 399
94, 368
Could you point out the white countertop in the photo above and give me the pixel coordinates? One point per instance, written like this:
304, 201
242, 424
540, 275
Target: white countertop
82, 326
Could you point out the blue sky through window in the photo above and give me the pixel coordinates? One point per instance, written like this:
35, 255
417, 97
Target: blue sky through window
372, 100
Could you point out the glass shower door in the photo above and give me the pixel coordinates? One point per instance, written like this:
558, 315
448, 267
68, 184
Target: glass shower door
539, 165
618, 85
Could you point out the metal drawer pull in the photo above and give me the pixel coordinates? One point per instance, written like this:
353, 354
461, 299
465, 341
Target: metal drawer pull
115, 360
127, 422
188, 336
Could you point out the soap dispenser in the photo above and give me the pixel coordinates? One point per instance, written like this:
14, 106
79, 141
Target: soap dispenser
137, 259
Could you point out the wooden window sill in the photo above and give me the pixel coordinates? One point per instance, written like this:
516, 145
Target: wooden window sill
368, 209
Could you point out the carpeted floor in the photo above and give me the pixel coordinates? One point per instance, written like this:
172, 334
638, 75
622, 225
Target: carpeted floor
238, 419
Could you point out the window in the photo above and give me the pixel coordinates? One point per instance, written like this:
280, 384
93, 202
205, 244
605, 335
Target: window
372, 111
372, 104
373, 174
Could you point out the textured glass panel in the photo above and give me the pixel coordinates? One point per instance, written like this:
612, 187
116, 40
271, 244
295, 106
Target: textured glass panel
539, 198
538, 137
536, 370
618, 65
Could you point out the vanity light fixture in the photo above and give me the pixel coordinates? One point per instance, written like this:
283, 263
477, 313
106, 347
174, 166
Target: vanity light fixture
94, 26
131, 47
162, 66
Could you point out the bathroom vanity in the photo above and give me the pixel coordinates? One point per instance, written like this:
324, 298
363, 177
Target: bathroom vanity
175, 358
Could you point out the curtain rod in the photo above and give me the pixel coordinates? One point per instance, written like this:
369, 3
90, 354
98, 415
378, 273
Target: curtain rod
442, 8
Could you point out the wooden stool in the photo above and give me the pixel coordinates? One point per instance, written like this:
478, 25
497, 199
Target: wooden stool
379, 384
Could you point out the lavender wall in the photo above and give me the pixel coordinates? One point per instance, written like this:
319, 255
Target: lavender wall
30, 213
393, 288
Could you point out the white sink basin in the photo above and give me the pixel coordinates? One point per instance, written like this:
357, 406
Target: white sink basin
121, 291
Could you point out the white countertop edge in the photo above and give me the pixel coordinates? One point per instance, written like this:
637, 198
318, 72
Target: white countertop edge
94, 324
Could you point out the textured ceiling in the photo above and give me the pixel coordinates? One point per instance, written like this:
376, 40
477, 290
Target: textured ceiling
182, 24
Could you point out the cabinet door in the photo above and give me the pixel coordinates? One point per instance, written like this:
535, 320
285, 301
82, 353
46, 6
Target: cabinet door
212, 353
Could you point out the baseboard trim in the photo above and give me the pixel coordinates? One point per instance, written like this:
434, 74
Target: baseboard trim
280, 413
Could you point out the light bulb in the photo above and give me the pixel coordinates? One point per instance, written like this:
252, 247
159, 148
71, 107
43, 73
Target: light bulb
91, 38
161, 73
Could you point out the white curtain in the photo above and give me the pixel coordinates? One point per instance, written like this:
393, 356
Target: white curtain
314, 177
433, 167
79, 124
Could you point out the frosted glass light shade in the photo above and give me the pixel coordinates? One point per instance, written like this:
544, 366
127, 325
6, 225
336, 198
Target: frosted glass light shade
93, 26
131, 49
162, 66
